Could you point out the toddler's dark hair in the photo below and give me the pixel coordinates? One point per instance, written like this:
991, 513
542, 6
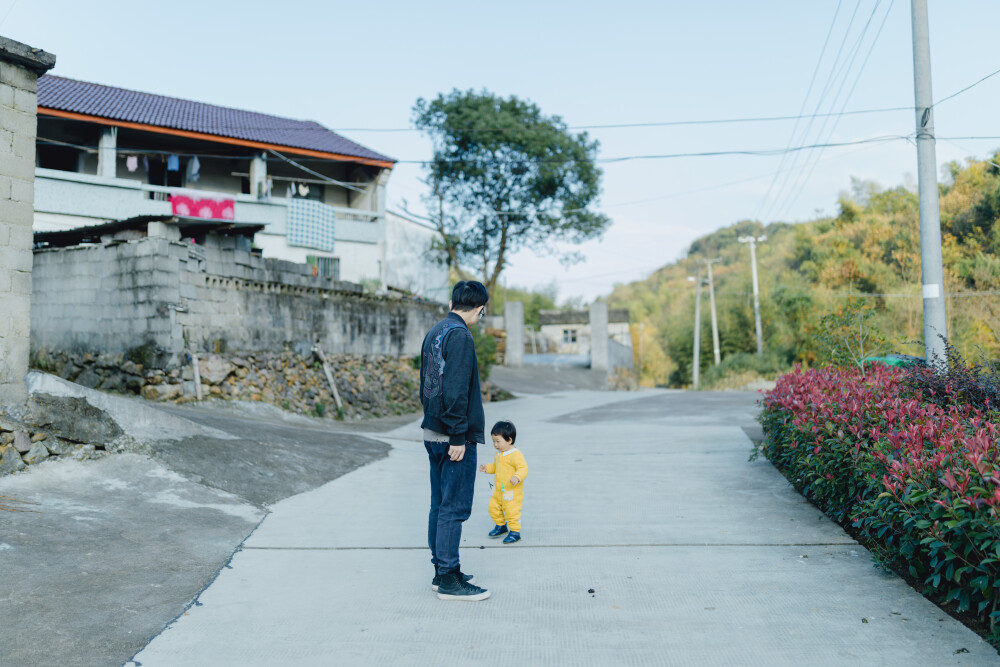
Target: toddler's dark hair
505, 430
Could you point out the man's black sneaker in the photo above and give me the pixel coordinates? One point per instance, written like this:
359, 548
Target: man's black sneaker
467, 578
451, 587
498, 530
514, 536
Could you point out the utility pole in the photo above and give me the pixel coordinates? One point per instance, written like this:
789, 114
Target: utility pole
931, 263
715, 319
640, 352
753, 241
695, 366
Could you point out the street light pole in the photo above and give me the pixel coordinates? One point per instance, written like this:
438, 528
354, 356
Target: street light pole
715, 319
753, 241
931, 262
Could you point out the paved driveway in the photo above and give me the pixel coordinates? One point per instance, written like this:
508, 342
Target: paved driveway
648, 539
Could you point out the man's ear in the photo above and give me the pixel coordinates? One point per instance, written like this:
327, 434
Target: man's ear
449, 305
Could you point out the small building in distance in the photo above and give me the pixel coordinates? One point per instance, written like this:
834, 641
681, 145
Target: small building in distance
568, 331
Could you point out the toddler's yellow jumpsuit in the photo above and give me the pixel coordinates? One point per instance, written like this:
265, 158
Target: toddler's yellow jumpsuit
505, 465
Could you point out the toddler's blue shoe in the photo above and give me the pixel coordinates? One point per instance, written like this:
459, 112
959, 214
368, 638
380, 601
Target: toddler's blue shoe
498, 530
513, 537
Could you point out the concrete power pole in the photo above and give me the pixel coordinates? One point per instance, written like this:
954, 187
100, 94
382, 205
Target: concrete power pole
931, 263
753, 241
696, 365
715, 318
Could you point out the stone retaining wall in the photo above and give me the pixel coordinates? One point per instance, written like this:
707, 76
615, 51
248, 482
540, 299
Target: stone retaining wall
371, 386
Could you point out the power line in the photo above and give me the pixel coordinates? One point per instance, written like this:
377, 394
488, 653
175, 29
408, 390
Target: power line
727, 184
798, 180
665, 123
333, 181
791, 203
819, 103
955, 94
608, 126
805, 100
9, 10
609, 160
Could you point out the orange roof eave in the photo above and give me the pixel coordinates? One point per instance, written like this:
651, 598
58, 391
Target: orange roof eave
44, 111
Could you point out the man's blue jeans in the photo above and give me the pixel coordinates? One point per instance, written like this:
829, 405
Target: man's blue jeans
452, 483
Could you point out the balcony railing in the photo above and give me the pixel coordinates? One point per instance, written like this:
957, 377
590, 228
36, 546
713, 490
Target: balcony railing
101, 199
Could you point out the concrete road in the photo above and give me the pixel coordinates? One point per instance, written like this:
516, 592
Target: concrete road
648, 539
114, 549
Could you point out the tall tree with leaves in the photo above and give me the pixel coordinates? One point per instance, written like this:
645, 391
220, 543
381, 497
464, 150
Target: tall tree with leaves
505, 177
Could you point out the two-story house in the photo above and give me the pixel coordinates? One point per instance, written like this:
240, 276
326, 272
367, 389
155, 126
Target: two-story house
109, 154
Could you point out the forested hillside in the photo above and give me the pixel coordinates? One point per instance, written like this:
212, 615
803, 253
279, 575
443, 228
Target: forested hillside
869, 250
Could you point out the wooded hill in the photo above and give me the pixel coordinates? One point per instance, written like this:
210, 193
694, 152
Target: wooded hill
869, 250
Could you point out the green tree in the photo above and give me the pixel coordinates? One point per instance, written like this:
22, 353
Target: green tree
505, 176
534, 300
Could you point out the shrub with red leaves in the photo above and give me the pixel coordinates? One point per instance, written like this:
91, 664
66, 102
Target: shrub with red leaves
918, 478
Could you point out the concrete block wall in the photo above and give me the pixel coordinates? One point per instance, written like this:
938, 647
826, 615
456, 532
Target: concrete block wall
108, 299
20, 66
240, 302
170, 297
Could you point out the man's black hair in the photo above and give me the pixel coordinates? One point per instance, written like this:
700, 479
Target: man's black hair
505, 430
468, 295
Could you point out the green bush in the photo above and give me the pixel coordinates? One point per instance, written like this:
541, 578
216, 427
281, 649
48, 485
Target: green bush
486, 351
918, 481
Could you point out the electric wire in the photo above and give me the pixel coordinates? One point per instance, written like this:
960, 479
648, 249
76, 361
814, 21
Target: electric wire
607, 126
838, 80
9, 10
819, 103
969, 87
327, 179
802, 108
805, 179
609, 160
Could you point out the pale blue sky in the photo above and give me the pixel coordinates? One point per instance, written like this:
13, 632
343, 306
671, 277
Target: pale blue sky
362, 65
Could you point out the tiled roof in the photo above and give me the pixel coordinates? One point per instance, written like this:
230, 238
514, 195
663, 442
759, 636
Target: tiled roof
58, 93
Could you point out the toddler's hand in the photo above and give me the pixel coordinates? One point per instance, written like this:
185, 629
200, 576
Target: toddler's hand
482, 468
514, 481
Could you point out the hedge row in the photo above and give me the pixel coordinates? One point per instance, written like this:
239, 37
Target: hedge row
918, 479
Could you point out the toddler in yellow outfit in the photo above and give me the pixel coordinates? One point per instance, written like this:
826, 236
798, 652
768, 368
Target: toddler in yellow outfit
509, 470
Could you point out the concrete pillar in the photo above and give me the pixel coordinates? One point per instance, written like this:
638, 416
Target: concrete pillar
20, 66
380, 183
599, 336
513, 318
258, 176
107, 154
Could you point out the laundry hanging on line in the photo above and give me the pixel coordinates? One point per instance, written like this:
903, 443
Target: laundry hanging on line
192, 172
132, 163
173, 163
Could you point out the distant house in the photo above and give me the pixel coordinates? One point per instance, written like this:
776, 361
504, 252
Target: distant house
568, 331
107, 154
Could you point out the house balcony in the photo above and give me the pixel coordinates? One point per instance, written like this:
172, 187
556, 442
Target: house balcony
64, 200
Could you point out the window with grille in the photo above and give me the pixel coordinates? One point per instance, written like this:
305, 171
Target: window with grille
569, 335
325, 267
329, 267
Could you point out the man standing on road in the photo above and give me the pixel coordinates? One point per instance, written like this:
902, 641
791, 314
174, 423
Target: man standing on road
454, 422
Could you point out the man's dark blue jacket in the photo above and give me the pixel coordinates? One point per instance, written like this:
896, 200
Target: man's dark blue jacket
449, 383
